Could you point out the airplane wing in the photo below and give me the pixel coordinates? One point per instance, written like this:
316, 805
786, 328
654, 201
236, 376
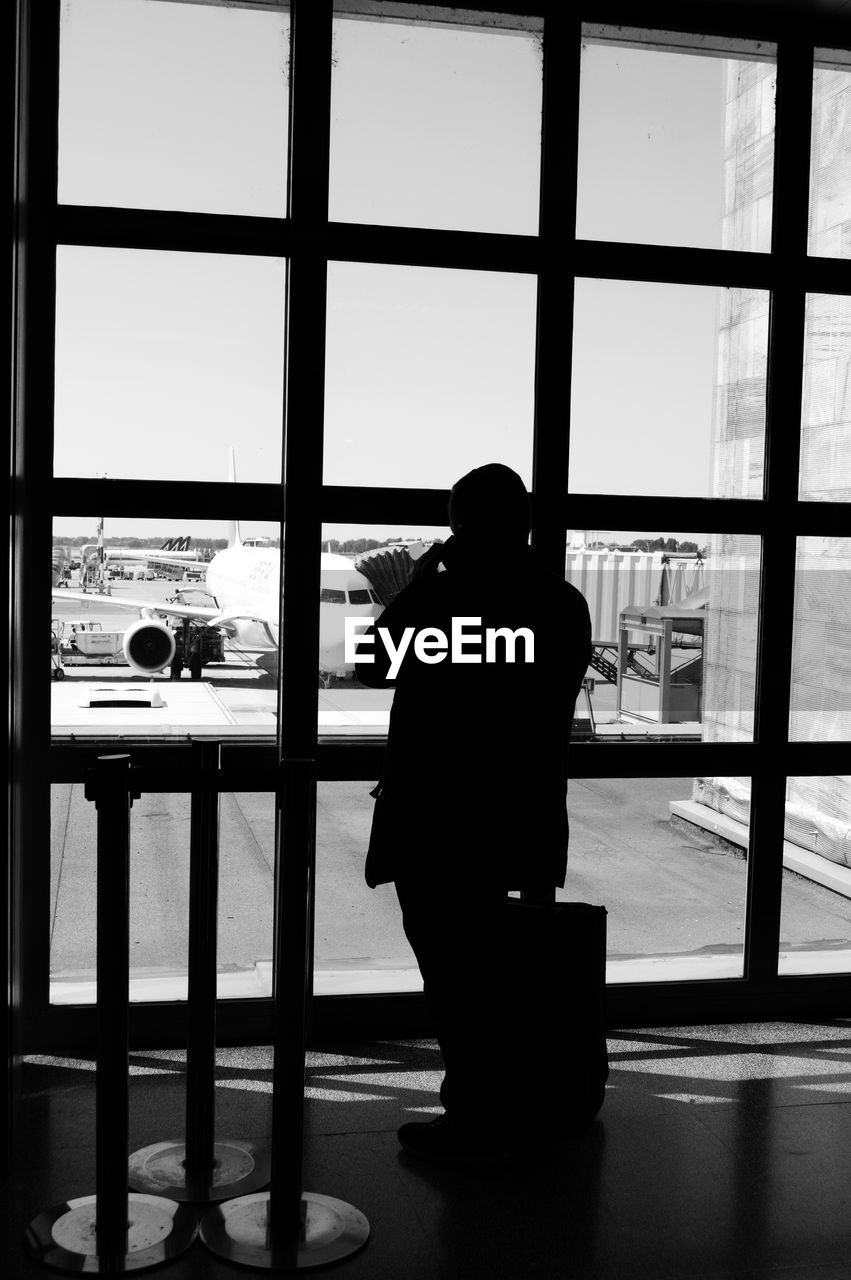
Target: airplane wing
212, 615
145, 608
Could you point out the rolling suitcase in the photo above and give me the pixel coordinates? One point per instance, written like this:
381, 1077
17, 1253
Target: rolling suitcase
556, 1012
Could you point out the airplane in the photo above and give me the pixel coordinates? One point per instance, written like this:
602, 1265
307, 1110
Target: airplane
173, 551
244, 584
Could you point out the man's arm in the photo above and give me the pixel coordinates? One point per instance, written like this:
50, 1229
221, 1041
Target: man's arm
405, 611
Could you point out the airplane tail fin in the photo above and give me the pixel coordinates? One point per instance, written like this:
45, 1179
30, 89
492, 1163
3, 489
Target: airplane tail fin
234, 535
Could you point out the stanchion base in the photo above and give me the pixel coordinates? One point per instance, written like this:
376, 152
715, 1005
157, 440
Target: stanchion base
64, 1237
238, 1231
239, 1167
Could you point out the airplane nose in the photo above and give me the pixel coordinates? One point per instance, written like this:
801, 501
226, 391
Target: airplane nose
332, 657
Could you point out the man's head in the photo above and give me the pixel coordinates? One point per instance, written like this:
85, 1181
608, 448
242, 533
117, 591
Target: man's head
491, 502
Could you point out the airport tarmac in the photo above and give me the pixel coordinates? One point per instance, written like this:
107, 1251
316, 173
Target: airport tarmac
675, 893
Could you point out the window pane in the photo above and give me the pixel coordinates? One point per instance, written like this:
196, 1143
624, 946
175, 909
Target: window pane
656, 852
435, 126
668, 391
159, 896
671, 875
826, 410
165, 360
174, 106
73, 901
674, 630
675, 148
830, 158
116, 673
815, 923
820, 706
428, 374
359, 942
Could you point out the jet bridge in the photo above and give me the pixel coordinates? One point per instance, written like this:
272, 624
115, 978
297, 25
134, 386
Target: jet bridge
612, 581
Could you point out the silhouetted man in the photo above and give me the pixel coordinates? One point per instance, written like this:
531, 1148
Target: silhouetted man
473, 790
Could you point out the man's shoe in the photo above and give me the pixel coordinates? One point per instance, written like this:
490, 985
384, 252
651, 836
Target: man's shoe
445, 1142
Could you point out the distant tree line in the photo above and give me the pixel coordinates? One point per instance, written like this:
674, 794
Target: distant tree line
357, 546
137, 544
664, 544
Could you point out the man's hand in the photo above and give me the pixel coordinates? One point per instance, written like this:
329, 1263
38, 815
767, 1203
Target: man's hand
437, 554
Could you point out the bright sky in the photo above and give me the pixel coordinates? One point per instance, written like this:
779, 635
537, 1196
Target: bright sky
164, 360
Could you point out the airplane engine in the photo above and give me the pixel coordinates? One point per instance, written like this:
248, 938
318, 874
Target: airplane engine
149, 646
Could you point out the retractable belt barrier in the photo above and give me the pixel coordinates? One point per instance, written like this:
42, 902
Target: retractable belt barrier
112, 1231
284, 1228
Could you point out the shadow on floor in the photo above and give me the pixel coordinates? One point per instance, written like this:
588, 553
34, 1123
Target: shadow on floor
721, 1152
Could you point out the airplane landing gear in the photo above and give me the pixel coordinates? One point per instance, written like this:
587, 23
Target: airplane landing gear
195, 644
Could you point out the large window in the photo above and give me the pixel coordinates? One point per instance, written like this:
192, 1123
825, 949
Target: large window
292, 269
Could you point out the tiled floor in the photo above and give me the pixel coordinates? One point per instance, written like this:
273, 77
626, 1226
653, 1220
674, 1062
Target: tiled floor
720, 1152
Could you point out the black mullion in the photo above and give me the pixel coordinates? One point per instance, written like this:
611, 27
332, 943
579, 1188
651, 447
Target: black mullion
704, 515
69, 762
553, 362
347, 759
310, 122
164, 499
216, 500
828, 275
630, 511
785, 373
821, 519
10, 864
428, 247
32, 462
408, 246
344, 759
98, 226
351, 504
747, 19
672, 264
728, 1000
404, 1014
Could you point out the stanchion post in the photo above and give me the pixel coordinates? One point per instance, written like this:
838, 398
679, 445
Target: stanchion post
287, 1228
200, 1169
293, 894
113, 799
203, 913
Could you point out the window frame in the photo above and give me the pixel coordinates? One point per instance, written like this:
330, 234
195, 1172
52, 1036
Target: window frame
308, 241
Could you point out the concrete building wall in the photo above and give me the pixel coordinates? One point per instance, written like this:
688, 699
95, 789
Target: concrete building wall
821, 696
